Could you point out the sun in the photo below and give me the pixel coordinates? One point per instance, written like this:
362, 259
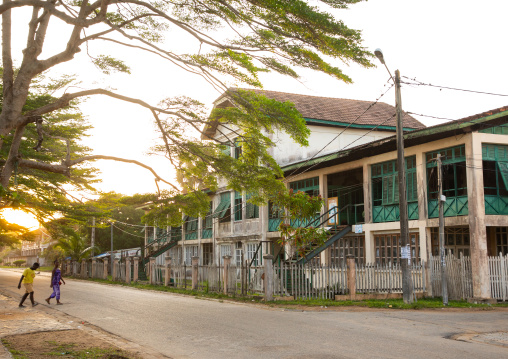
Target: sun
20, 217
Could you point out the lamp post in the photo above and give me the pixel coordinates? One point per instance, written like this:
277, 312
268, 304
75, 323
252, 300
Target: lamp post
405, 247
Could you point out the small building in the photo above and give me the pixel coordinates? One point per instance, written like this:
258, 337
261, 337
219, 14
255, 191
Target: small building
31, 251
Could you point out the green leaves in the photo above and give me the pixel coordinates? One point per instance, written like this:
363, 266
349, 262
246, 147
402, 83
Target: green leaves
108, 64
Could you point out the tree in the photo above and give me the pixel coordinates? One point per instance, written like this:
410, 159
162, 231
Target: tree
235, 41
127, 225
34, 189
74, 245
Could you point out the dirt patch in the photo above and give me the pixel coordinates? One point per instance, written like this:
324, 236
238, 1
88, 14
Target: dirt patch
63, 344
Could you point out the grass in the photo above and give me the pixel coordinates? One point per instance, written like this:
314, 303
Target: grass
68, 351
424, 303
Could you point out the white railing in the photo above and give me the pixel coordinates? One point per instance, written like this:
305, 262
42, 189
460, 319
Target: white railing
459, 278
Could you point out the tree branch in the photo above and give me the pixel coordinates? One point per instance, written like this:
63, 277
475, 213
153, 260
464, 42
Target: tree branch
65, 166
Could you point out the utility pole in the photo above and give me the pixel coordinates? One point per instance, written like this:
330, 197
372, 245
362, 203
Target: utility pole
405, 248
441, 200
93, 235
111, 253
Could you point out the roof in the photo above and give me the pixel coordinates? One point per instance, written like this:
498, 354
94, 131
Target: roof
335, 110
468, 124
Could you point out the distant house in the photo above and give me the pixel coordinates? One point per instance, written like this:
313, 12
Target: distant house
357, 174
31, 251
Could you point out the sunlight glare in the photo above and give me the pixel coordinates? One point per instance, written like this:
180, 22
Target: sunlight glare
20, 217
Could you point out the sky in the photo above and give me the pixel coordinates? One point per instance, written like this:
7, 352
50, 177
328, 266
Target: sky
453, 43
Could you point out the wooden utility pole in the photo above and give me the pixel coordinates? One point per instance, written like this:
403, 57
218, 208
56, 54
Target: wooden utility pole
93, 235
405, 248
441, 200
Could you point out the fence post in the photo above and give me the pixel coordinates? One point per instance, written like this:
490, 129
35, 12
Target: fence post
69, 270
94, 263
152, 270
128, 270
135, 274
268, 281
167, 276
351, 276
116, 268
106, 267
227, 262
83, 268
195, 262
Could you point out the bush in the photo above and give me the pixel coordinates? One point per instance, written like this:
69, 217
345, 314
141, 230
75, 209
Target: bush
19, 262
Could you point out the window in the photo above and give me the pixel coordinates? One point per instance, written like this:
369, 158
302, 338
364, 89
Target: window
387, 248
223, 210
207, 224
348, 246
176, 255
190, 251
309, 186
454, 172
238, 206
238, 148
225, 250
251, 253
226, 149
456, 241
207, 254
252, 211
502, 241
238, 254
191, 228
498, 130
495, 171
385, 182
176, 233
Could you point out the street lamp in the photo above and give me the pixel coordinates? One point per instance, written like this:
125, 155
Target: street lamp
405, 248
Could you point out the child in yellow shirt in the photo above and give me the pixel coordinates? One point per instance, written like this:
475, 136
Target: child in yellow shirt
28, 282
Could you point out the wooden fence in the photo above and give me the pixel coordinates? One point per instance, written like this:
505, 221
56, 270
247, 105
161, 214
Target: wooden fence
459, 277
387, 278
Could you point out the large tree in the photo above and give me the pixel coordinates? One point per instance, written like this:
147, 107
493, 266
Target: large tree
235, 40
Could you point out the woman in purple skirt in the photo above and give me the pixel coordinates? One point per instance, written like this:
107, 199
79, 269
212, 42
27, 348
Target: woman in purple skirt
56, 280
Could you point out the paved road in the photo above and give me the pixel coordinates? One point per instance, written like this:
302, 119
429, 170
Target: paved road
186, 327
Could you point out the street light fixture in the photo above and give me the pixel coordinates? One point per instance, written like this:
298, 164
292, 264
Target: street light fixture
405, 248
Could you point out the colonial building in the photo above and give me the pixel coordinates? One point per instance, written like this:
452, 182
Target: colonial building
351, 163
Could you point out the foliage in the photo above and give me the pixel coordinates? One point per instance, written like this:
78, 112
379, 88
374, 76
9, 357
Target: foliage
52, 253
126, 218
74, 245
11, 233
235, 41
19, 262
44, 193
303, 207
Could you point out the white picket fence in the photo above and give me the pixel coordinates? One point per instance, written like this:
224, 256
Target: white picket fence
387, 278
459, 277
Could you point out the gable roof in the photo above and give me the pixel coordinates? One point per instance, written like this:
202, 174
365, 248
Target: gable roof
335, 111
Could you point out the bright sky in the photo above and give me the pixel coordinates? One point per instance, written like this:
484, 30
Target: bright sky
455, 43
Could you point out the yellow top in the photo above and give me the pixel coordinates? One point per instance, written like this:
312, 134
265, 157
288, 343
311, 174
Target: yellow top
28, 276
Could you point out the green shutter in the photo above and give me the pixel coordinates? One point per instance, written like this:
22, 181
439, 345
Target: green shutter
225, 203
503, 170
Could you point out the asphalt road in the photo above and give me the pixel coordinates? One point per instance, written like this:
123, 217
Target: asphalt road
186, 327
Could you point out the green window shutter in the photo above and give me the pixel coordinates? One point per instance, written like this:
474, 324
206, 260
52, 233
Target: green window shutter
503, 169
225, 203
226, 150
412, 188
395, 188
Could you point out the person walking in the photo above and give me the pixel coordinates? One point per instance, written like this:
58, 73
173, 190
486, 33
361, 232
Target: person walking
56, 280
28, 282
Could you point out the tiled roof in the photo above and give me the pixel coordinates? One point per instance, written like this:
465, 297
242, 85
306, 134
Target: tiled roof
342, 110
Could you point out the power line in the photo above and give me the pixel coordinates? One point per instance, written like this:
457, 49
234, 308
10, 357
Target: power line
439, 118
419, 83
327, 157
340, 133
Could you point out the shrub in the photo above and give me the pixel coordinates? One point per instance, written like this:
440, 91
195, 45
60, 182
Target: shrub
19, 262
